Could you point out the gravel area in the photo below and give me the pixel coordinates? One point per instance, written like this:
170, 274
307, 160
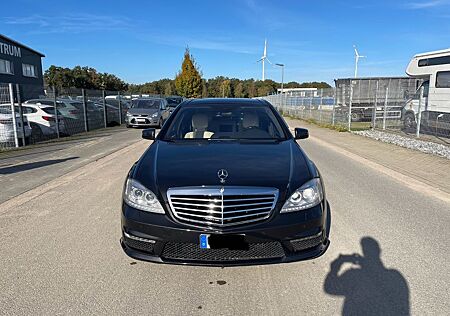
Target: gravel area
420, 145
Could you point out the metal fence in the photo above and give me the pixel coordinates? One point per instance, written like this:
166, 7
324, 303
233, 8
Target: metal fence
57, 113
10, 125
320, 107
384, 105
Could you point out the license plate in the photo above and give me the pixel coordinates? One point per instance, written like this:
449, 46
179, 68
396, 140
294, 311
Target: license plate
204, 244
141, 120
230, 242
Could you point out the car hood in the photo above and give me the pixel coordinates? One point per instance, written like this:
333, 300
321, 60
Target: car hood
280, 165
142, 111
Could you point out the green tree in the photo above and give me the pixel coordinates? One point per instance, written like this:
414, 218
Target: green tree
111, 82
204, 89
251, 88
225, 88
188, 81
59, 77
239, 90
82, 77
318, 85
168, 89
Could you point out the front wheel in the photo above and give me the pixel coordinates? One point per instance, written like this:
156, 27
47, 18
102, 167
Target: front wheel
160, 124
28, 140
356, 117
36, 132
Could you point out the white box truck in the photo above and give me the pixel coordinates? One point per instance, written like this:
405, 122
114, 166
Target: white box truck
434, 69
364, 93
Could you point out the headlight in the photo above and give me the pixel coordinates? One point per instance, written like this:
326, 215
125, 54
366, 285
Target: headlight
155, 115
138, 196
128, 114
308, 195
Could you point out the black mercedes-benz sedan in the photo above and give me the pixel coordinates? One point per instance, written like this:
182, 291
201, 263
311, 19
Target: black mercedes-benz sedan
224, 183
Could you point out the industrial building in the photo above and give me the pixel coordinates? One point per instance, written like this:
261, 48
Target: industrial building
20, 64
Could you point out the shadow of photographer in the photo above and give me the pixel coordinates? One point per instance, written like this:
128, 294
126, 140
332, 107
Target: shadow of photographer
368, 287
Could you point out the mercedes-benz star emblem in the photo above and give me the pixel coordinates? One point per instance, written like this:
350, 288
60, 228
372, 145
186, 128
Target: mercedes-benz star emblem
223, 175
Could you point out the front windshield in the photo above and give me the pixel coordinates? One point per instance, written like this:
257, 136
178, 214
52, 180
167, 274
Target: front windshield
147, 104
209, 122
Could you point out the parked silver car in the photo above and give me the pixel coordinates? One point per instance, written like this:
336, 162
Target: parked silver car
147, 112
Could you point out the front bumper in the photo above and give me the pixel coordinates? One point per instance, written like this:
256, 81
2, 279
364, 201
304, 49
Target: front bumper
282, 238
143, 121
7, 134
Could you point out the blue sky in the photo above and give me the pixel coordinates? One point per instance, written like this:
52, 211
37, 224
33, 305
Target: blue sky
142, 41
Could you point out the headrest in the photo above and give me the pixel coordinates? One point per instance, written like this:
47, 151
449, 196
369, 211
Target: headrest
250, 120
199, 121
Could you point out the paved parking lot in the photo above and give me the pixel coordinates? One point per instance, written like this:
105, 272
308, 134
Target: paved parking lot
61, 254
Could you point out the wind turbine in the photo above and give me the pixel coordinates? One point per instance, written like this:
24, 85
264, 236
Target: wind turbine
263, 59
357, 57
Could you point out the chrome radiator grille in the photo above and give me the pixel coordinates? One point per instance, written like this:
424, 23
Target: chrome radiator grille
221, 206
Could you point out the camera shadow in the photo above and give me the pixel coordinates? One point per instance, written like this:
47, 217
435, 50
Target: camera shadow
368, 287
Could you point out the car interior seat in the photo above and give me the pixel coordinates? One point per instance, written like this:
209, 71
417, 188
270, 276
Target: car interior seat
251, 127
199, 126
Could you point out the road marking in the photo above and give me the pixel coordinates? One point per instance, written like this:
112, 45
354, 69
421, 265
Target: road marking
408, 181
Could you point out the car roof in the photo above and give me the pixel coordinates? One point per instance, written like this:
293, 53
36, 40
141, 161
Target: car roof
149, 98
58, 100
38, 105
225, 101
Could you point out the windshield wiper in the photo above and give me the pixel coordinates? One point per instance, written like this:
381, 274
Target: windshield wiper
260, 140
222, 139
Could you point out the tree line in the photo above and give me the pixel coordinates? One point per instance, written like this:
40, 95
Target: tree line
82, 77
223, 87
187, 83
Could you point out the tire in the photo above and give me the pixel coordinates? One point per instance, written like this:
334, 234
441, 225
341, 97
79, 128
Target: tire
128, 126
409, 122
356, 117
160, 124
36, 133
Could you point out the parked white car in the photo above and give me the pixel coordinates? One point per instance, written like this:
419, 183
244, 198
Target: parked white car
42, 120
70, 109
7, 127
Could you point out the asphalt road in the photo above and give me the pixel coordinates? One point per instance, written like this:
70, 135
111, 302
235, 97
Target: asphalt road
26, 169
60, 252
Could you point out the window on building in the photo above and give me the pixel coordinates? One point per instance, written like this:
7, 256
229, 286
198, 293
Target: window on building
6, 67
29, 70
443, 79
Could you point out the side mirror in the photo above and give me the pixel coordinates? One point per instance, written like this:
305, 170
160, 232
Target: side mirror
301, 133
149, 133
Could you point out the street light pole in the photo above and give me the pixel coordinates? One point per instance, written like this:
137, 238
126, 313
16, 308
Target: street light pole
282, 76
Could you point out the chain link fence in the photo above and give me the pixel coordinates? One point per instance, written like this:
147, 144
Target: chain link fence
316, 106
401, 105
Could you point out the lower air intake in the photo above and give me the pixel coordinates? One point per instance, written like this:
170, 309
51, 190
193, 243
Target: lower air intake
189, 251
307, 242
